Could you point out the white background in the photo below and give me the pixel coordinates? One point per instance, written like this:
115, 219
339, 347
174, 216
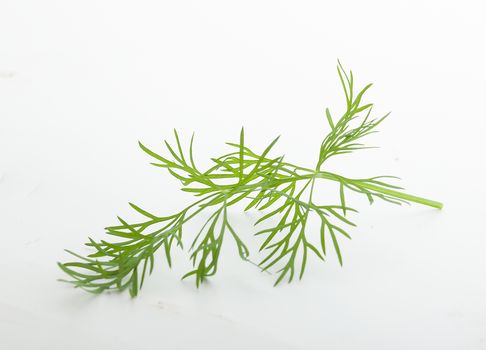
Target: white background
82, 82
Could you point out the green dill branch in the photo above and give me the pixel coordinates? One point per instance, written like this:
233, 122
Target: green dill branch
283, 191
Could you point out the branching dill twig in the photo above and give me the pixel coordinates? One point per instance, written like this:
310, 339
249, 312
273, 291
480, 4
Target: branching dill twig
282, 190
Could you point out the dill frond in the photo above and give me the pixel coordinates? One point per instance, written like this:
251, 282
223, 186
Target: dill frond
284, 191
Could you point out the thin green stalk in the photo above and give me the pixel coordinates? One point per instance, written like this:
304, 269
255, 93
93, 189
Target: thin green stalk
405, 196
379, 189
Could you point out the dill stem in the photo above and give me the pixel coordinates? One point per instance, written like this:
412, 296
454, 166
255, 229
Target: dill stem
405, 196
383, 190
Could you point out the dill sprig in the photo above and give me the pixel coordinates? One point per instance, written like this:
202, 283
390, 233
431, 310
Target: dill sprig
283, 190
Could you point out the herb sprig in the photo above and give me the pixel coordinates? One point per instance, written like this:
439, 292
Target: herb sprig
283, 190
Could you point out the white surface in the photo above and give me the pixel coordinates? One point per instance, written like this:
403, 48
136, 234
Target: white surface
81, 82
